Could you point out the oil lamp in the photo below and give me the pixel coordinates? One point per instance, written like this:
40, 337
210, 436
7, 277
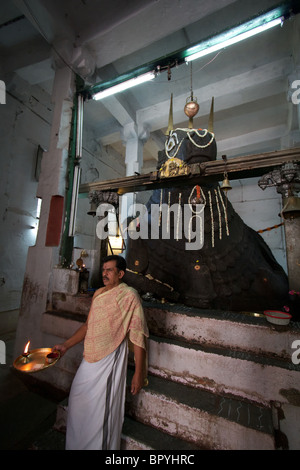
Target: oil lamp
25, 353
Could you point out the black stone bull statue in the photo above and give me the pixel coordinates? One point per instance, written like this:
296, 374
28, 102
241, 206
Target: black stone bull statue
233, 269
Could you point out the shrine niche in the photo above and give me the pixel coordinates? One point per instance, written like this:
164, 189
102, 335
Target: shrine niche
233, 270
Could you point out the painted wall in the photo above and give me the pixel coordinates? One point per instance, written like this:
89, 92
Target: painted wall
24, 126
259, 210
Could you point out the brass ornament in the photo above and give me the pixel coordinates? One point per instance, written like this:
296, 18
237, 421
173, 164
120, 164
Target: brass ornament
226, 186
191, 108
211, 117
291, 208
93, 209
174, 167
170, 124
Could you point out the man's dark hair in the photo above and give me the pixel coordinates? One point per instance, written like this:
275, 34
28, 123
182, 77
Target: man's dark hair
120, 261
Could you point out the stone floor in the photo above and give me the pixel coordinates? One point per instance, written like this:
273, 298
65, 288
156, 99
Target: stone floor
27, 413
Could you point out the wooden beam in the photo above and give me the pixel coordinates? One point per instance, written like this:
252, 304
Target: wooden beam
237, 168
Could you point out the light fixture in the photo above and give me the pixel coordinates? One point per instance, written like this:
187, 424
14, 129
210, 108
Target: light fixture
237, 34
223, 39
74, 202
116, 244
124, 85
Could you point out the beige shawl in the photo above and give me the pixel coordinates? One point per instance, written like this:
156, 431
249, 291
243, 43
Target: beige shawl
114, 314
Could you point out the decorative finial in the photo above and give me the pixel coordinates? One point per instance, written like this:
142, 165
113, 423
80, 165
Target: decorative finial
211, 116
170, 125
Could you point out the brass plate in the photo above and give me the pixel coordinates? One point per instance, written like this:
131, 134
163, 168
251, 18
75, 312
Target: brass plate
35, 361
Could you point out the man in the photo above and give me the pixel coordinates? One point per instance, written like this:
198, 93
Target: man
97, 396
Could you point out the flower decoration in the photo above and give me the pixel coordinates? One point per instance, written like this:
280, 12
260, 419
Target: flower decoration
293, 292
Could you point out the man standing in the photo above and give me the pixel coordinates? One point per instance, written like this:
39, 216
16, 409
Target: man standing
97, 396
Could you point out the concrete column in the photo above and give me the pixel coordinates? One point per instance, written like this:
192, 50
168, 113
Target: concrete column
134, 138
292, 235
41, 258
287, 183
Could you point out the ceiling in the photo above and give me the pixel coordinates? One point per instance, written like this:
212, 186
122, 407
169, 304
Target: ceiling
101, 39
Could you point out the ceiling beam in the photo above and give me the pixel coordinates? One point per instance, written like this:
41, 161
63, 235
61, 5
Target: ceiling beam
237, 168
227, 94
48, 21
169, 17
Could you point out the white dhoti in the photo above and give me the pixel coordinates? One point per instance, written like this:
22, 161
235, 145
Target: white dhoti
97, 402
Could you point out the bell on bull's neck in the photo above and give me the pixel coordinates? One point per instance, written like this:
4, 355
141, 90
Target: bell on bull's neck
226, 186
291, 208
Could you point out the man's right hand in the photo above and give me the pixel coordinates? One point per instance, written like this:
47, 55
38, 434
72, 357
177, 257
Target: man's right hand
61, 348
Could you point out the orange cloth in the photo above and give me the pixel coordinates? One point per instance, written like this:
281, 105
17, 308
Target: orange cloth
114, 314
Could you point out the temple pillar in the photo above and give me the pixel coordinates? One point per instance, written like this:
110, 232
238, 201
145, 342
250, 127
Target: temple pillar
134, 138
287, 183
51, 189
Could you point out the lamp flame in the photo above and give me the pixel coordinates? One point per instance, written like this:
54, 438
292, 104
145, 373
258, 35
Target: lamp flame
26, 348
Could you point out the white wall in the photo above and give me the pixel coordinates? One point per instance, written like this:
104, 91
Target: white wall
259, 210
97, 164
24, 125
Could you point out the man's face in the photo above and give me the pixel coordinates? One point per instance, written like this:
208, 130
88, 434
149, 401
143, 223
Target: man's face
111, 276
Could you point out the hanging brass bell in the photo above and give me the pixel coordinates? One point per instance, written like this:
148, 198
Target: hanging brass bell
93, 209
291, 208
226, 186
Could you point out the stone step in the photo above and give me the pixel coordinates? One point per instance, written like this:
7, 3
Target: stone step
224, 371
135, 435
79, 304
239, 331
201, 418
139, 436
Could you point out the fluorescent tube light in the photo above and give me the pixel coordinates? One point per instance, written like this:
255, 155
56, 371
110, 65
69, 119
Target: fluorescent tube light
76, 183
124, 85
235, 35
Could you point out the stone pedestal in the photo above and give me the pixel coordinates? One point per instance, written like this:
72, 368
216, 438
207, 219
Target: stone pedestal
65, 281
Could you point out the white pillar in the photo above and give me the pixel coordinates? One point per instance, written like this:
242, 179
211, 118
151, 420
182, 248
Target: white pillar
52, 182
134, 138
